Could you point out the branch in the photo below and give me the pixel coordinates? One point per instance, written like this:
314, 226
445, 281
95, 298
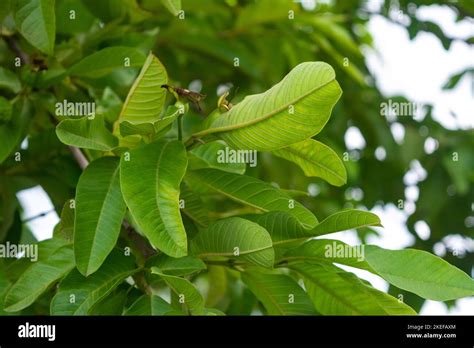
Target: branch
79, 157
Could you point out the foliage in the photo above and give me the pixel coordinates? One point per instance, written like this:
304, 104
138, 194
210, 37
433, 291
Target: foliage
152, 222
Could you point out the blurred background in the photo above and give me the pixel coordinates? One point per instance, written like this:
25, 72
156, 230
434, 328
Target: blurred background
415, 170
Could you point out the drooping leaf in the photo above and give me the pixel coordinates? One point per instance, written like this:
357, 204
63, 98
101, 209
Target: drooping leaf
150, 179
107, 60
293, 110
188, 296
337, 292
235, 238
38, 278
279, 294
217, 279
253, 192
87, 291
100, 209
420, 272
155, 129
146, 98
149, 305
36, 21
86, 133
212, 155
316, 159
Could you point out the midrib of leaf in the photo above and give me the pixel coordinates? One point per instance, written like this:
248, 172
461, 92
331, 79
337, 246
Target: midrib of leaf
295, 153
101, 216
259, 119
268, 294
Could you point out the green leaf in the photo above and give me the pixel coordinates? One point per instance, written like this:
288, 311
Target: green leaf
149, 305
146, 98
212, 155
36, 21
316, 159
420, 272
253, 192
279, 294
155, 129
9, 80
6, 109
174, 6
86, 133
329, 251
88, 291
190, 298
337, 292
106, 10
293, 110
108, 60
217, 279
178, 267
150, 179
12, 132
38, 278
100, 209
346, 220
235, 238
194, 206
65, 228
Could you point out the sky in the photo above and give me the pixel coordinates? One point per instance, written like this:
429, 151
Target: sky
401, 67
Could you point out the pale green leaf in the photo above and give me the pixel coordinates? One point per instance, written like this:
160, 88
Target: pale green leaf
213, 155
293, 110
150, 179
346, 220
316, 159
253, 192
235, 238
279, 294
86, 133
420, 272
36, 21
100, 209
146, 98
